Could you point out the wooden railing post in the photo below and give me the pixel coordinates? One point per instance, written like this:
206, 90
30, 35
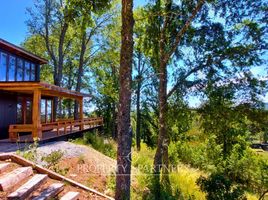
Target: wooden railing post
58, 128
36, 118
65, 127
81, 114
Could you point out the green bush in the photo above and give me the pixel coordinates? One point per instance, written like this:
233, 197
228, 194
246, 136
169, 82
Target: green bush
53, 158
52, 162
219, 187
192, 155
30, 151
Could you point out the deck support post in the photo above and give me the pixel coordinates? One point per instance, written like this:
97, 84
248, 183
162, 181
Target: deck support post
81, 115
36, 117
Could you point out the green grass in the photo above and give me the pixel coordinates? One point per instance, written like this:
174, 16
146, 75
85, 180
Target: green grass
104, 145
184, 180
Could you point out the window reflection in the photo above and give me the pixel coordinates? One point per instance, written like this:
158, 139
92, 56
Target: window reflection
32, 72
3, 66
19, 69
27, 71
28, 111
46, 112
19, 111
11, 68
49, 110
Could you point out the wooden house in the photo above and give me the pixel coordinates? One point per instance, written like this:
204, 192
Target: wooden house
26, 103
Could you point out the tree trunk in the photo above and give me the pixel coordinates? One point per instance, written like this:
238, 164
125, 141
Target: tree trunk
124, 128
64, 29
163, 137
138, 123
114, 121
69, 108
80, 72
59, 68
161, 160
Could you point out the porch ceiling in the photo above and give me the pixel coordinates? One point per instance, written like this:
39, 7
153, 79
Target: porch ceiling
45, 88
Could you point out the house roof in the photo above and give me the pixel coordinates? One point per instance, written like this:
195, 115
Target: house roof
46, 89
7, 46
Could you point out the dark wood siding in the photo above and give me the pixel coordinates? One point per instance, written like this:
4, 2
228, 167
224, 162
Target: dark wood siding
8, 112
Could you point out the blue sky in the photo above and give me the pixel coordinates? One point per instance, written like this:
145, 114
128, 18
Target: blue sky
13, 27
13, 17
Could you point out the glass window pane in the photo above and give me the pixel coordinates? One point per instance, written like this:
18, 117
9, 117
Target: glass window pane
49, 110
19, 112
43, 110
27, 71
19, 70
32, 72
11, 68
3, 66
28, 112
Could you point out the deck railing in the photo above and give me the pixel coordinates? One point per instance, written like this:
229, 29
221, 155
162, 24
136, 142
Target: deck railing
61, 126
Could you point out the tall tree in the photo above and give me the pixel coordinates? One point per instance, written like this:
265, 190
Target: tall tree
50, 20
88, 18
105, 73
189, 38
124, 127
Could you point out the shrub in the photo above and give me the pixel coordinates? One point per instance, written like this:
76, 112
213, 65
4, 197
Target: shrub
52, 162
219, 187
53, 158
30, 151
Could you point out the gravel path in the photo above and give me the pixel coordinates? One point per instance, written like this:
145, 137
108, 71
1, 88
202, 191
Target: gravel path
69, 149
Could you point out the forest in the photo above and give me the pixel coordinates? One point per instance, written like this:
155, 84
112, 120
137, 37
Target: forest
180, 85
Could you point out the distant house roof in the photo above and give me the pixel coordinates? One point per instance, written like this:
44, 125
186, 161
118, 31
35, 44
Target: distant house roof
21, 52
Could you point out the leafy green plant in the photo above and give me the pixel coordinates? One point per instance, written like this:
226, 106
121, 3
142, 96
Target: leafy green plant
219, 187
29, 152
52, 162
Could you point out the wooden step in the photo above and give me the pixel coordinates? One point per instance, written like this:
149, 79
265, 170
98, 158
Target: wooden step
3, 167
26, 189
10, 179
70, 196
50, 192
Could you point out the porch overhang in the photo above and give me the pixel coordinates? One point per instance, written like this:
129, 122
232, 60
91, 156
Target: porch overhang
46, 89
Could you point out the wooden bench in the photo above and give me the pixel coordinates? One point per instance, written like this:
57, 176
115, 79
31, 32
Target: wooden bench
14, 130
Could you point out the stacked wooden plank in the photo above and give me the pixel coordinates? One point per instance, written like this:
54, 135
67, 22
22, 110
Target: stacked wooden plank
21, 183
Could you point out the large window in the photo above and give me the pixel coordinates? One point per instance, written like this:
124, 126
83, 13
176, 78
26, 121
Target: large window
3, 66
46, 110
24, 110
13, 68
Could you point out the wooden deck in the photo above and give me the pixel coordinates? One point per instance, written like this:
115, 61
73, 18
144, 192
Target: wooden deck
59, 129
